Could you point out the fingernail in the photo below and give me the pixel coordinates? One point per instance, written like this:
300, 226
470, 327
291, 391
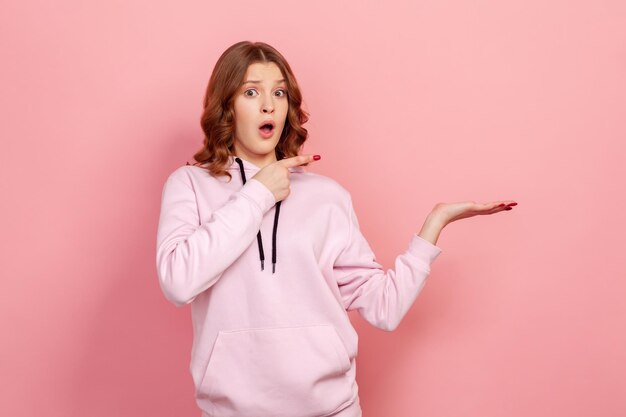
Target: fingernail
316, 157
501, 205
509, 208
512, 204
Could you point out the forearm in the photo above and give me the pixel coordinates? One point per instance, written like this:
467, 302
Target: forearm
432, 227
193, 252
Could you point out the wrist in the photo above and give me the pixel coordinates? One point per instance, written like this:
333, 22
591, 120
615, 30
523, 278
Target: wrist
432, 227
437, 219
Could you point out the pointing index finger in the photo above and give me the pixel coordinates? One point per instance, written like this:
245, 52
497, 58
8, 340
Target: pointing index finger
296, 160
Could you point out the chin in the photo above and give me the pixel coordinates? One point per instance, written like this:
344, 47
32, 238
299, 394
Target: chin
268, 148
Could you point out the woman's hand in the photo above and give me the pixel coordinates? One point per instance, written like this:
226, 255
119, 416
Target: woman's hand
446, 213
275, 176
450, 212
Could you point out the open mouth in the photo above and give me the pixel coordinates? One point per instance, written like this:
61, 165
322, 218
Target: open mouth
267, 127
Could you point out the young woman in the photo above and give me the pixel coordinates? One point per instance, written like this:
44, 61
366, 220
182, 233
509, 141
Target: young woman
273, 338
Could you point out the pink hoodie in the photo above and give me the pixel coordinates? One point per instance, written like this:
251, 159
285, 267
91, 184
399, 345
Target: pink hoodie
276, 343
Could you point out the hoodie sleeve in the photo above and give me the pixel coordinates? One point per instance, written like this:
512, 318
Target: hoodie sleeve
382, 298
193, 252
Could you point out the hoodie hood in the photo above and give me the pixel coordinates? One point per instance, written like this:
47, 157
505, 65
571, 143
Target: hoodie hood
246, 170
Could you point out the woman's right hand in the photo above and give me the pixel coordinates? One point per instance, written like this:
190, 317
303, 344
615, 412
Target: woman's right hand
275, 176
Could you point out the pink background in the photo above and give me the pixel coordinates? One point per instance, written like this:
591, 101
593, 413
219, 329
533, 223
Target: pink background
411, 103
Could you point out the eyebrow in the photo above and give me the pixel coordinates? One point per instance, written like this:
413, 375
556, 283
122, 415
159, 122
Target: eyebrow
258, 81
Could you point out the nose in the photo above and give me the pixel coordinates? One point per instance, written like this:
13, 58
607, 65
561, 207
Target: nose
267, 106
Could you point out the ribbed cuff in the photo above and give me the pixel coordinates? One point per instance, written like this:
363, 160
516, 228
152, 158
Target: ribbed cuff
257, 192
423, 249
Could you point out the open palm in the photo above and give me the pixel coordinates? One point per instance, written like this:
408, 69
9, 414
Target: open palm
460, 210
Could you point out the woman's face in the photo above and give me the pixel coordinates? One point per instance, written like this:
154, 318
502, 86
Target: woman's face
262, 97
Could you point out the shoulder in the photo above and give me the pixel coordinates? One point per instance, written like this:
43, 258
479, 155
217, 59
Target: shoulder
182, 174
189, 175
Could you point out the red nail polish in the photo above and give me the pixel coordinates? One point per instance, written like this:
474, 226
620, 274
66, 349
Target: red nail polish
316, 157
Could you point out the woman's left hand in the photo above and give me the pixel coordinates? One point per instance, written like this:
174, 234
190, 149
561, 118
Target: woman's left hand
450, 212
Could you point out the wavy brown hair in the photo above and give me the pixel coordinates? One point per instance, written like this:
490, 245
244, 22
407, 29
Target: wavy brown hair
218, 117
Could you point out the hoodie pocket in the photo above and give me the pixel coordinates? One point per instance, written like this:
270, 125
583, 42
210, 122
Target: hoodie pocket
278, 372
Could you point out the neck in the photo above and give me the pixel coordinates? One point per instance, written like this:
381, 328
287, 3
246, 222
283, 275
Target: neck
261, 161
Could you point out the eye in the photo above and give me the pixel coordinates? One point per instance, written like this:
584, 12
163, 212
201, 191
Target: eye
246, 92
284, 93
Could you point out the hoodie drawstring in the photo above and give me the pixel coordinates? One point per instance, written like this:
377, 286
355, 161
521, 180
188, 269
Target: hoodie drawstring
258, 236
